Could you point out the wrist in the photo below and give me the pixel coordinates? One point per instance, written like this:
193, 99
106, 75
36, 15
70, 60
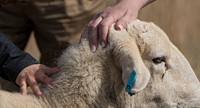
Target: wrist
138, 3
148, 2
142, 3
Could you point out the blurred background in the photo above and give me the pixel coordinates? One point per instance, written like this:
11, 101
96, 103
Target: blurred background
180, 19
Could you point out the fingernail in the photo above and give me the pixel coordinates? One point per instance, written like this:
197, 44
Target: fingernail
93, 48
39, 94
103, 44
119, 27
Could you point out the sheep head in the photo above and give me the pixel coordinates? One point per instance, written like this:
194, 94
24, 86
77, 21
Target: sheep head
145, 48
161, 67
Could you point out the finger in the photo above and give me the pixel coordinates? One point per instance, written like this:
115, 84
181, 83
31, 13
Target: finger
45, 79
93, 39
23, 86
50, 71
125, 20
104, 26
96, 22
85, 32
34, 87
93, 33
36, 90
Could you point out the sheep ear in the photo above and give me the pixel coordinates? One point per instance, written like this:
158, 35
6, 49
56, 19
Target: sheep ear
135, 75
128, 57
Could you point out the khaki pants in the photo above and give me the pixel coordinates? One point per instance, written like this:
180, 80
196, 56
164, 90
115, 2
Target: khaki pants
56, 23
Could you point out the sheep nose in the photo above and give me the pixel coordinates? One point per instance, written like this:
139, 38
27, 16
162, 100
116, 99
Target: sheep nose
131, 82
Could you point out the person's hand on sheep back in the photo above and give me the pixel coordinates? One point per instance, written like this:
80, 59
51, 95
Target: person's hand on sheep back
122, 13
33, 74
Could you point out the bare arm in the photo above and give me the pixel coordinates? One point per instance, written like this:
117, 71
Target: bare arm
149, 2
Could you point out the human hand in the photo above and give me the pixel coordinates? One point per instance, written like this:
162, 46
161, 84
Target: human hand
122, 13
33, 74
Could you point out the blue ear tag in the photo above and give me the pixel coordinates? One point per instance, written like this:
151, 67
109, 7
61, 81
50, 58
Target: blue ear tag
130, 83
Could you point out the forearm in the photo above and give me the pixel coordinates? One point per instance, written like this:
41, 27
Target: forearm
12, 60
149, 2
140, 3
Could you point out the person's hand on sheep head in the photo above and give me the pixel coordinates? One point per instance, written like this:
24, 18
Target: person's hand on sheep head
122, 13
33, 74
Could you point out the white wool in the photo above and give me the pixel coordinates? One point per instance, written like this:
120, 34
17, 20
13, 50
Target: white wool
97, 80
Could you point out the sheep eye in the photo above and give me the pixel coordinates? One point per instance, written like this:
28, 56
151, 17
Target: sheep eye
158, 60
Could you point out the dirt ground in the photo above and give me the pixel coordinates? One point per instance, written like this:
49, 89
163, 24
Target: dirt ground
180, 19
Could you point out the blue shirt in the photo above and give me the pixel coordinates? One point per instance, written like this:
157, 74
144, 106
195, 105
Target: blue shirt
12, 59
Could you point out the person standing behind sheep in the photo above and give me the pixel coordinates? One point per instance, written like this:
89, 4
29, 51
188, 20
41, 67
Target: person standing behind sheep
58, 23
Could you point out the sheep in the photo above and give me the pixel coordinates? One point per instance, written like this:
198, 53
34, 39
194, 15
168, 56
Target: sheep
98, 80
